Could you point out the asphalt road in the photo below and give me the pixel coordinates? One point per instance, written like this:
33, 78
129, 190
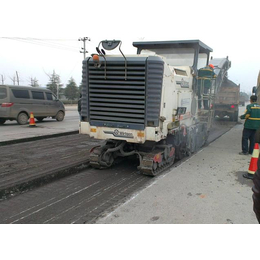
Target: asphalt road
92, 193
80, 198
207, 187
11, 130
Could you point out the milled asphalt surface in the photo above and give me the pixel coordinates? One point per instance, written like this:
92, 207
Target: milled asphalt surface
30, 164
208, 188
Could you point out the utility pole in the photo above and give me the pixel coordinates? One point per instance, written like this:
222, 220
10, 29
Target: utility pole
17, 78
83, 50
3, 80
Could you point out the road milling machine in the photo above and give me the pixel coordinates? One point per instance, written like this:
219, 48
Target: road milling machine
146, 105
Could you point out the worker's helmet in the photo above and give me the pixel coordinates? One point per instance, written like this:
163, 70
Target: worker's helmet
211, 66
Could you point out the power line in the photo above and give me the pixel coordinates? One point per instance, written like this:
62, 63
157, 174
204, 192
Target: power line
50, 43
45, 42
54, 44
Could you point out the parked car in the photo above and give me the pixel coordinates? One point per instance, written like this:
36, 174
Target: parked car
17, 102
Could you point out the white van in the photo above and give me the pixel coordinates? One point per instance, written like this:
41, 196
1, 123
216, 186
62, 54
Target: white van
17, 102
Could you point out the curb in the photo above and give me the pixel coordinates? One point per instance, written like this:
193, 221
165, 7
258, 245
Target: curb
35, 138
30, 183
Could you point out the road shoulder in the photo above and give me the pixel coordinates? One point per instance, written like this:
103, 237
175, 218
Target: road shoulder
206, 188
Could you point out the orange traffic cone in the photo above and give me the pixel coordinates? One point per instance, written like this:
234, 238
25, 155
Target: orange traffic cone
253, 163
32, 120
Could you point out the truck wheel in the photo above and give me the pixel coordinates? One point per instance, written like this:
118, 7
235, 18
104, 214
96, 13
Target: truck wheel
22, 118
235, 116
231, 117
2, 121
60, 116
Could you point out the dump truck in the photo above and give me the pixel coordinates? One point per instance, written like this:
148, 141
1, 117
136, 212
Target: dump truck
146, 105
227, 100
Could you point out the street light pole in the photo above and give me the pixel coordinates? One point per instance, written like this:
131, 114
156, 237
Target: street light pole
84, 39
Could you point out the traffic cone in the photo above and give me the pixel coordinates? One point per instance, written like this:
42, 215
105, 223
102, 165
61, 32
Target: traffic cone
32, 120
253, 163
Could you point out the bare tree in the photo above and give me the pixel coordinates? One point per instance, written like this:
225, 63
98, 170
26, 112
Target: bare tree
13, 79
34, 82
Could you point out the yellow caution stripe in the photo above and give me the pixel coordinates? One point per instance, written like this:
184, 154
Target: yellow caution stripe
206, 70
209, 77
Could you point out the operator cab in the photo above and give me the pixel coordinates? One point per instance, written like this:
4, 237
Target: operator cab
193, 53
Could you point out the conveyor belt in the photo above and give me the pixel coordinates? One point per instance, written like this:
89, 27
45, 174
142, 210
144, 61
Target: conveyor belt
221, 66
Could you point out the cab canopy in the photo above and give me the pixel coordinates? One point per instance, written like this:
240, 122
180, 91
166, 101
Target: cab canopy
192, 53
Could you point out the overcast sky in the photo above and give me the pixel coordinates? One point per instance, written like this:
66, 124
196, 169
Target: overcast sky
230, 28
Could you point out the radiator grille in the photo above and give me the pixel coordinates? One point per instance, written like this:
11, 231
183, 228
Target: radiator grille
115, 101
111, 100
